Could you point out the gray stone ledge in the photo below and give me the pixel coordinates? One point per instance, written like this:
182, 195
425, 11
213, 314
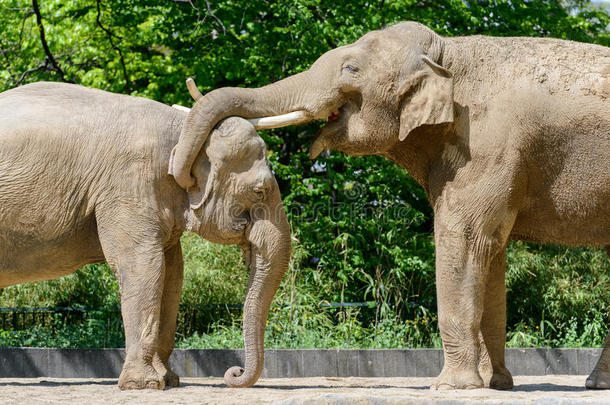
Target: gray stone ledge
107, 363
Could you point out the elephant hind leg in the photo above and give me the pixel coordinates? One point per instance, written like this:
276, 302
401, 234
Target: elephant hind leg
600, 376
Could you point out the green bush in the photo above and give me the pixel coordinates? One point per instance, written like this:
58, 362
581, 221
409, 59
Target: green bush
558, 296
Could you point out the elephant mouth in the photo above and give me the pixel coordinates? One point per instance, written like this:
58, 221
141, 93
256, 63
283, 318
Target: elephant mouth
336, 126
333, 116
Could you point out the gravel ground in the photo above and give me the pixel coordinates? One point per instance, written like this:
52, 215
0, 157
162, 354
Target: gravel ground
542, 390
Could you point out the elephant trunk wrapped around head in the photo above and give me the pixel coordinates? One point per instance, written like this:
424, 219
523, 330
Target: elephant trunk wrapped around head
235, 199
368, 102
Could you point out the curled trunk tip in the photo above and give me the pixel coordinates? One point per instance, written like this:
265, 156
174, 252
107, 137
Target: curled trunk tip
237, 377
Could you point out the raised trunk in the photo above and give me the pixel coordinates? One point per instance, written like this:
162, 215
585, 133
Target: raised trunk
288, 95
269, 255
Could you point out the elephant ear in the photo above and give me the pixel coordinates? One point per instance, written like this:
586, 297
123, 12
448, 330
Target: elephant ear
205, 173
213, 155
426, 96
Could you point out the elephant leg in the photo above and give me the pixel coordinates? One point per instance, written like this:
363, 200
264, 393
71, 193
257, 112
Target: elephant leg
460, 280
493, 327
468, 237
174, 270
135, 253
600, 376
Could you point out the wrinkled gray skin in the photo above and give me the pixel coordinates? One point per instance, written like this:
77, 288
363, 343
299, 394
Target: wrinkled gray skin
83, 178
509, 137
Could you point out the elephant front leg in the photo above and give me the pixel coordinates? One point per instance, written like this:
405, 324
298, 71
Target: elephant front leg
493, 327
174, 270
460, 281
137, 259
600, 376
472, 226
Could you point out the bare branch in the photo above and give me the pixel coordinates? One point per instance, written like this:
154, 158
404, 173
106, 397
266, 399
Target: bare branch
27, 15
114, 46
54, 66
211, 14
43, 65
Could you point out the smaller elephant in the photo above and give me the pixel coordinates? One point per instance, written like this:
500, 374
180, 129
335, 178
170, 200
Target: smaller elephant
84, 178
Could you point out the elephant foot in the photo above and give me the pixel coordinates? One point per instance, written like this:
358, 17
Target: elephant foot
501, 380
454, 379
485, 368
140, 376
171, 379
598, 380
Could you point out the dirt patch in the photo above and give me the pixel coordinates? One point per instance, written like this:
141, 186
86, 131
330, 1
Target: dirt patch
315, 390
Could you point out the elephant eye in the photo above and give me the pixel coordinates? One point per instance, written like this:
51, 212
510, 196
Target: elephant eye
350, 68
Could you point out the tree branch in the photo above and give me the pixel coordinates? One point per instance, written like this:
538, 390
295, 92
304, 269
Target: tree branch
25, 17
114, 46
49, 56
211, 14
43, 65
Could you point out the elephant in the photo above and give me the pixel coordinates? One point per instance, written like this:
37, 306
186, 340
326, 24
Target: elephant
509, 138
84, 178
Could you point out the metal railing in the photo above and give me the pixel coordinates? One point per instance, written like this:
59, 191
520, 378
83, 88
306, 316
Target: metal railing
191, 318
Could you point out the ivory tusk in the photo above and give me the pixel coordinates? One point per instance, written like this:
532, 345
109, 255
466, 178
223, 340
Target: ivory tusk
277, 121
181, 108
193, 90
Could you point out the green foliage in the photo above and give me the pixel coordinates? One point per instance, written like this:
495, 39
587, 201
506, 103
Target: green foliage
92, 286
101, 328
364, 227
213, 274
559, 294
322, 329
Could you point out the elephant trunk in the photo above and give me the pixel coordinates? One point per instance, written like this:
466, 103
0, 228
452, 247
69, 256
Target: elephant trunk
269, 254
285, 96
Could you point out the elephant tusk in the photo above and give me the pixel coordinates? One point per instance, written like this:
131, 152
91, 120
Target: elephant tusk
181, 108
193, 90
276, 121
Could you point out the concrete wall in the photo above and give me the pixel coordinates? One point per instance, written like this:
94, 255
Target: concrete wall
90, 363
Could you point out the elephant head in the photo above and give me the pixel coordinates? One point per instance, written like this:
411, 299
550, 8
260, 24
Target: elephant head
236, 200
372, 93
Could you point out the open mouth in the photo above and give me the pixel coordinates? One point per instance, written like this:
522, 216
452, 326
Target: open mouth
338, 123
333, 116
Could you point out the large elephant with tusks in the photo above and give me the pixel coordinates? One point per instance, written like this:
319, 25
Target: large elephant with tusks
509, 137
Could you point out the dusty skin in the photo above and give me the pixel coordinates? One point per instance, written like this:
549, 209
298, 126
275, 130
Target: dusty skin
319, 390
84, 178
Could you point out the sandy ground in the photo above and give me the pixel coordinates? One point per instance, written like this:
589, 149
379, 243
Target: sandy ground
541, 390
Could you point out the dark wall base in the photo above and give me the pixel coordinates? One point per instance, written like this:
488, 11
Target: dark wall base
107, 363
